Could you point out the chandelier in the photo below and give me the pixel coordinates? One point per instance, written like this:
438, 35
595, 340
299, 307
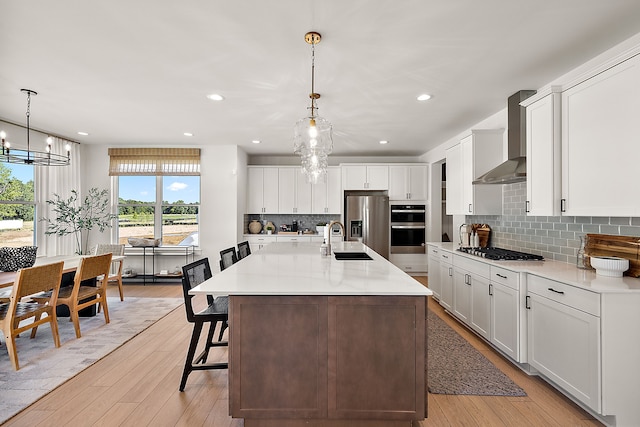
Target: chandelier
29, 156
312, 139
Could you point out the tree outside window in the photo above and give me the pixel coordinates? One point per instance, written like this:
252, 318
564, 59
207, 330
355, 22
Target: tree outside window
17, 207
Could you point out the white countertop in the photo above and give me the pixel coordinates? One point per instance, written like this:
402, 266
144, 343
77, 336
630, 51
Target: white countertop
298, 269
560, 271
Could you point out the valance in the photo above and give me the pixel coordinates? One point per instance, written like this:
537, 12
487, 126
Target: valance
154, 161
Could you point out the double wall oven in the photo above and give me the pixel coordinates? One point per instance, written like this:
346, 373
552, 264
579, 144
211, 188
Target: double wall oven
408, 229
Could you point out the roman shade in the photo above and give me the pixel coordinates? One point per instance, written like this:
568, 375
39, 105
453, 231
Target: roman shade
154, 161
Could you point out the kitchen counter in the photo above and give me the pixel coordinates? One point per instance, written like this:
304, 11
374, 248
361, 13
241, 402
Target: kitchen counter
317, 341
559, 271
298, 269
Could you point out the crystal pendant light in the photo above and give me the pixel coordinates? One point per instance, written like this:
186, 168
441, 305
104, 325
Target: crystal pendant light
312, 135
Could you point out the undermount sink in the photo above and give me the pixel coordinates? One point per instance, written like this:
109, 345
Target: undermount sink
351, 256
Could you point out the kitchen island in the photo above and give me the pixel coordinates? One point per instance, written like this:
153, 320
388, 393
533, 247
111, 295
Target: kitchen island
316, 341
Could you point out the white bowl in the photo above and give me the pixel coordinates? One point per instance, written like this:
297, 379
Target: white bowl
609, 266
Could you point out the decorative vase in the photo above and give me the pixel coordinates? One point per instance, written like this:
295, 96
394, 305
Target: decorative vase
255, 227
270, 224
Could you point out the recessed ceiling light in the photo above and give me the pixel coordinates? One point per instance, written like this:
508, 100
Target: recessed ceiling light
383, 142
187, 134
256, 141
424, 97
83, 133
215, 97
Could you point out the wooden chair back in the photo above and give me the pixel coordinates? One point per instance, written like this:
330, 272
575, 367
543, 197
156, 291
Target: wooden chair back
33, 280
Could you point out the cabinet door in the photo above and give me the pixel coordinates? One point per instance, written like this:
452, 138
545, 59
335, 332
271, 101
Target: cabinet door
434, 281
455, 194
303, 193
255, 181
286, 190
564, 345
354, 177
388, 383
378, 177
462, 295
446, 291
600, 147
270, 190
468, 174
417, 177
505, 319
398, 188
480, 306
327, 196
334, 191
543, 157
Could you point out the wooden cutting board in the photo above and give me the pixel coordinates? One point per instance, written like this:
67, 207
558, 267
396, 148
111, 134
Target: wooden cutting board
618, 246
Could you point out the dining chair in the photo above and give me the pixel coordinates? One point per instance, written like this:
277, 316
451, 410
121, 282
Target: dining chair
228, 257
80, 296
29, 281
115, 273
216, 311
243, 250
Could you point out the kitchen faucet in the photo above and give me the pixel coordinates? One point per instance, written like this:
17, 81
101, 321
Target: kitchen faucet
330, 226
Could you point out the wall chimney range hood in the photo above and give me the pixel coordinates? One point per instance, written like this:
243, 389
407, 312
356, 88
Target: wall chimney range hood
515, 168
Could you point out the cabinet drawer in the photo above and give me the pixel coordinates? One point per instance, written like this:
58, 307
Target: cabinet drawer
506, 277
446, 257
433, 250
293, 239
580, 299
475, 267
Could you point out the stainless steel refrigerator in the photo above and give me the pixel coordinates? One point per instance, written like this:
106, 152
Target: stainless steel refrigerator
367, 220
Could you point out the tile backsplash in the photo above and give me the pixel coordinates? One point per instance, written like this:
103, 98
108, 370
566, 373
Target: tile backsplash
304, 221
554, 237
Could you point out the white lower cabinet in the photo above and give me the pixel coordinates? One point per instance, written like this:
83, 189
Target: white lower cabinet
435, 282
471, 300
481, 306
506, 322
446, 279
410, 263
259, 241
564, 337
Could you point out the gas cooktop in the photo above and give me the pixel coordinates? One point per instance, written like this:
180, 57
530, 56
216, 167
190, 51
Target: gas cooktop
500, 254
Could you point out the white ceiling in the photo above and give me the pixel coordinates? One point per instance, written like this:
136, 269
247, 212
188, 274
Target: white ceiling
138, 72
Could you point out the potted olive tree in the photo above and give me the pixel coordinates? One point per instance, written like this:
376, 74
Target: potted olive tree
75, 216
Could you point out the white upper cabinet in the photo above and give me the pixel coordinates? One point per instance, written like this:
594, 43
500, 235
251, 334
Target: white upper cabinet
262, 194
476, 154
543, 154
600, 148
455, 197
408, 182
365, 177
294, 191
327, 196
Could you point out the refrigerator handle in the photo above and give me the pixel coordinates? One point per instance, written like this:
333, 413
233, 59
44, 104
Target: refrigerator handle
366, 225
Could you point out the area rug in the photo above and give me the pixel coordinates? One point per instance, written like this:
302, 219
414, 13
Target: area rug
455, 367
43, 367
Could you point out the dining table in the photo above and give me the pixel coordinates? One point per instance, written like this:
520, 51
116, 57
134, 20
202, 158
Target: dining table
71, 263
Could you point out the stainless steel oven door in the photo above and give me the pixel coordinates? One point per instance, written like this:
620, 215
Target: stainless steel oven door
407, 238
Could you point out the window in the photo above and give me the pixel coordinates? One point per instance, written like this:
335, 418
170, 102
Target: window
164, 207
158, 193
17, 207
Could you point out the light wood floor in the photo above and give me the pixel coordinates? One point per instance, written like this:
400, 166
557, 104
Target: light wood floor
137, 385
